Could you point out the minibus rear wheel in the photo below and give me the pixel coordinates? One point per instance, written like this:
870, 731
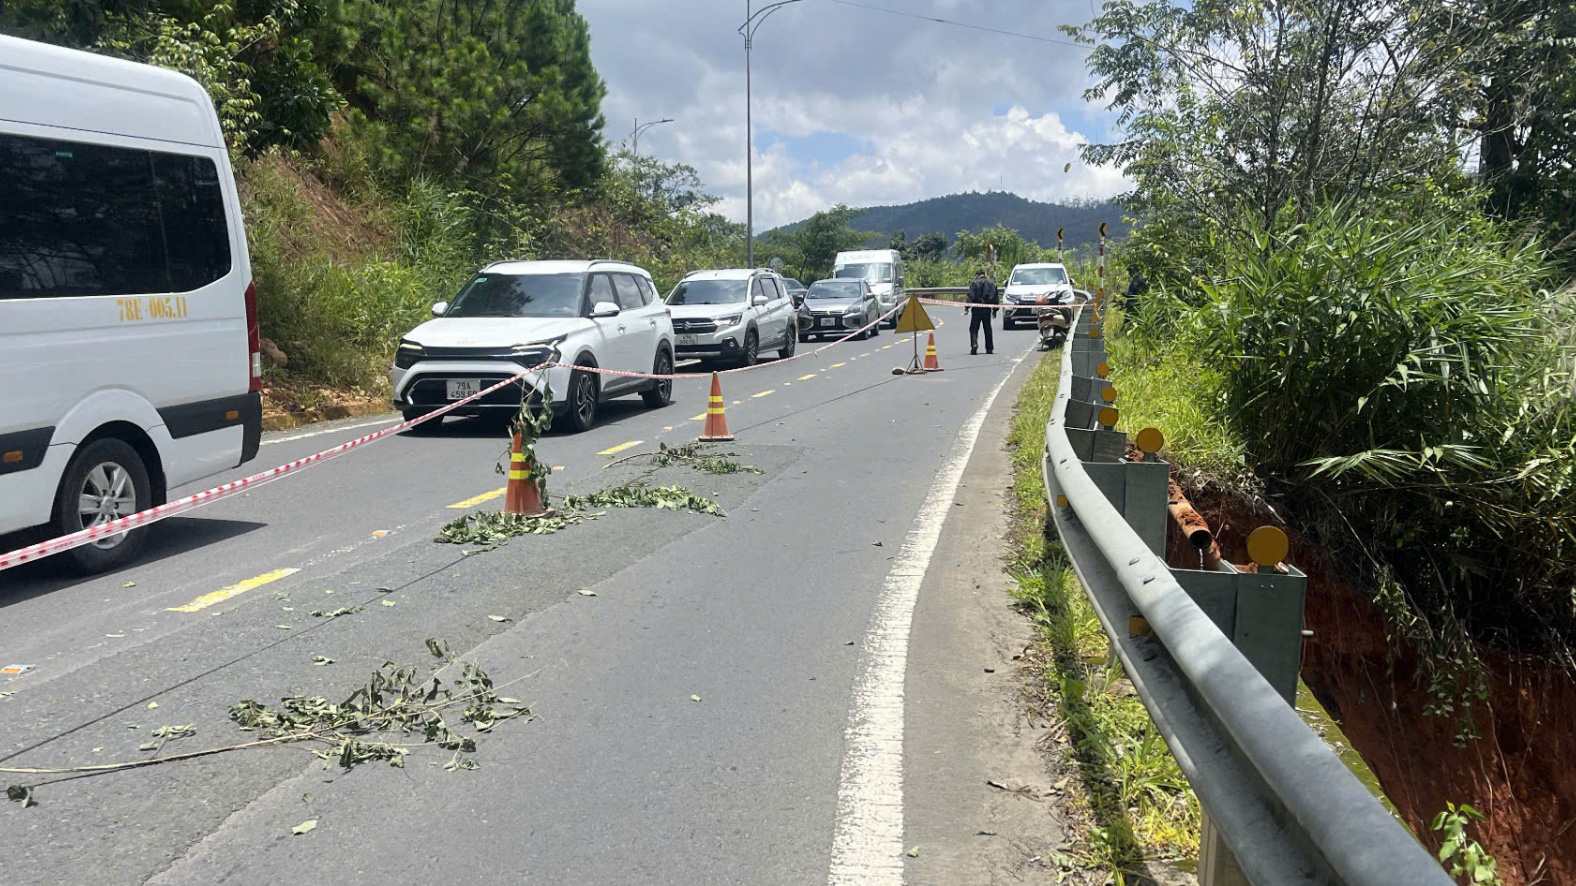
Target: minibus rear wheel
106, 480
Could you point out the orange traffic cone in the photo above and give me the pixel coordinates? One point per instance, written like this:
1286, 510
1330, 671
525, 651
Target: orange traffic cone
931, 364
716, 430
522, 496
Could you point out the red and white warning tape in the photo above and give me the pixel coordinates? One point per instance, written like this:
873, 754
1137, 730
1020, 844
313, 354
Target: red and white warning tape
966, 304
685, 375
209, 496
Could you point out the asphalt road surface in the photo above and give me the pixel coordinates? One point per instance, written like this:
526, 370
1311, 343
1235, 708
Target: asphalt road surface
787, 619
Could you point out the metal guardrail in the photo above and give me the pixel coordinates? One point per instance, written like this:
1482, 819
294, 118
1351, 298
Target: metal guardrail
1279, 806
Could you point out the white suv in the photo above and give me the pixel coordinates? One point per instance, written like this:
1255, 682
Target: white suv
520, 314
1027, 285
733, 315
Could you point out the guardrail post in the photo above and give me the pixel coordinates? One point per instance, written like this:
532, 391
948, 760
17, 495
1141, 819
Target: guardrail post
1138, 491
1260, 612
1098, 445
1088, 357
1217, 866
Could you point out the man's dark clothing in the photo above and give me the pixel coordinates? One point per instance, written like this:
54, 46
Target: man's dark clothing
979, 318
982, 291
1135, 287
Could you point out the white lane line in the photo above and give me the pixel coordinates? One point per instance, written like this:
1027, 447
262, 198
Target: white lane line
334, 430
867, 837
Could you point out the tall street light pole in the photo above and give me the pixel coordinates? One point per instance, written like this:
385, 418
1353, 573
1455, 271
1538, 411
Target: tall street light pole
752, 22
634, 137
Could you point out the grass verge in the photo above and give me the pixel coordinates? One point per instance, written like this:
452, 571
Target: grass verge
1176, 392
1131, 804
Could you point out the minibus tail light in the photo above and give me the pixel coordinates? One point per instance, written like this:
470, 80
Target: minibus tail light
254, 334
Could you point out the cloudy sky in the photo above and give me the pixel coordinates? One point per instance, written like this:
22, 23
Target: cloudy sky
854, 105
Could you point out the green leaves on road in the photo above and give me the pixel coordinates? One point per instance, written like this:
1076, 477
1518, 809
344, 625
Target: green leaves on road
637, 495
335, 613
489, 530
696, 456
396, 710
166, 734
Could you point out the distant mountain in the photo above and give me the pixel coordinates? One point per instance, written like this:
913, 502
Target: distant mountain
973, 211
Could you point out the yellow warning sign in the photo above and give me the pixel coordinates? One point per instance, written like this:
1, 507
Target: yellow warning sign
914, 318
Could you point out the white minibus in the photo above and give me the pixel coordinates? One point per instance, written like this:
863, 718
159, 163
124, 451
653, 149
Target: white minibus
882, 269
129, 357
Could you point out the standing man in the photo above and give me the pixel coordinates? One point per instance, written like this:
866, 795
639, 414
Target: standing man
982, 292
1135, 287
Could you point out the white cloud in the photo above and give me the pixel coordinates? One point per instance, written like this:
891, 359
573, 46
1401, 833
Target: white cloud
916, 99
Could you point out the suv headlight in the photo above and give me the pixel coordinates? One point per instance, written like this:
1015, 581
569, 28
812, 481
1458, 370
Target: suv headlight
536, 353
730, 320
408, 354
854, 309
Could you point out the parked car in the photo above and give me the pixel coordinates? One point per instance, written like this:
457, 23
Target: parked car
129, 340
1027, 284
882, 269
515, 314
840, 306
796, 292
733, 315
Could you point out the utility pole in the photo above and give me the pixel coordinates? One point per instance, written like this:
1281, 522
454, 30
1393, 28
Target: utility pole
752, 22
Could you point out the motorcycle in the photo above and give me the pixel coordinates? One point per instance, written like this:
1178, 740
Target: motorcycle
1054, 320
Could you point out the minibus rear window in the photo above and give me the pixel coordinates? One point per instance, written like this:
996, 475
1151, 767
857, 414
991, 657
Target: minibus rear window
85, 219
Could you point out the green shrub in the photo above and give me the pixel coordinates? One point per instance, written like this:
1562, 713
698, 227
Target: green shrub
1404, 381
337, 307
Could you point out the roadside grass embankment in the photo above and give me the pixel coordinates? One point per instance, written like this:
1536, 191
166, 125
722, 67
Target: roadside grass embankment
1129, 803
340, 279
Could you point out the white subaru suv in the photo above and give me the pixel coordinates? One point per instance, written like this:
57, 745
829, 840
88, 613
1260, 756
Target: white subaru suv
515, 315
733, 315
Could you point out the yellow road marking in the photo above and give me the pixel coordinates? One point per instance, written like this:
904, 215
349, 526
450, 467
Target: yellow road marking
835, 365
620, 447
787, 384
884, 347
234, 590
865, 354
475, 500
764, 393
701, 417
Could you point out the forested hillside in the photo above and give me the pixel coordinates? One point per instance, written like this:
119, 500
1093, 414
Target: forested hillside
1036, 222
386, 149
